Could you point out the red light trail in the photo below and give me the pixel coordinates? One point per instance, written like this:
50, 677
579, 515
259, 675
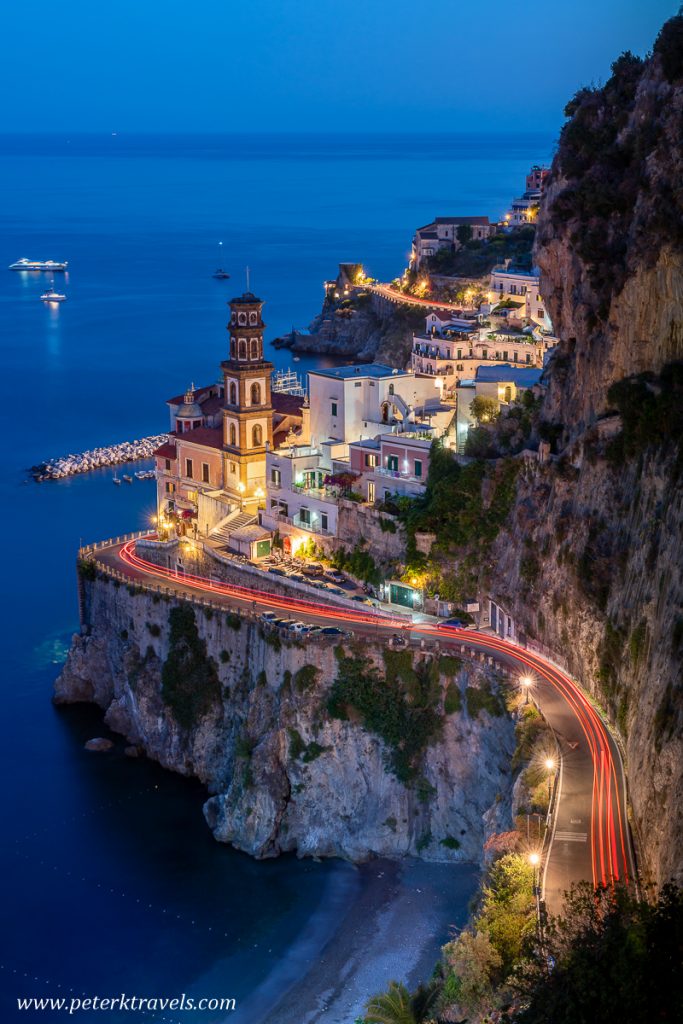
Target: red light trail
611, 858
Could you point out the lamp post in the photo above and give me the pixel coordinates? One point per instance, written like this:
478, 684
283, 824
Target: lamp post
526, 683
550, 765
241, 488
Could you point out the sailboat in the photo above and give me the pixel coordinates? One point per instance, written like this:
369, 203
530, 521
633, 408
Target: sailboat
220, 274
115, 479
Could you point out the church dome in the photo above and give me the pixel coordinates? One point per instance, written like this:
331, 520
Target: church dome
190, 409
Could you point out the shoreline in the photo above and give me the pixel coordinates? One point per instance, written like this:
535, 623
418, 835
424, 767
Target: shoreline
392, 927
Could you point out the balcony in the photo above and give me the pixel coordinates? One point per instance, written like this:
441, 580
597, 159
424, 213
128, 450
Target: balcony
272, 517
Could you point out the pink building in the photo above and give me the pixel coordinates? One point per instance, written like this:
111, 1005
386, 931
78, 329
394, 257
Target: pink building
393, 464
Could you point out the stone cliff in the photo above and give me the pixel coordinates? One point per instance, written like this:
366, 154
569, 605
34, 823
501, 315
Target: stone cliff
591, 559
302, 747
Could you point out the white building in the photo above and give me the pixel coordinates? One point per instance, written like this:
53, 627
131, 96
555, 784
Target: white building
299, 503
442, 233
352, 402
521, 287
504, 384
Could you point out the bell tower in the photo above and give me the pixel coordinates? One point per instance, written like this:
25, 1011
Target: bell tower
247, 409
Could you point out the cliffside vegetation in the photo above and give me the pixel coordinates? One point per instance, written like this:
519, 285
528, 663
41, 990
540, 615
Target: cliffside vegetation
189, 678
476, 258
465, 507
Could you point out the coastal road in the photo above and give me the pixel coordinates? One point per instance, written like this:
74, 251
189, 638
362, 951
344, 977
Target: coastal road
387, 292
590, 836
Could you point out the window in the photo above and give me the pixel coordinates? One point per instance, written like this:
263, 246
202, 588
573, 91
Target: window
257, 436
418, 468
528, 357
392, 463
205, 473
188, 468
371, 491
484, 353
233, 394
305, 516
370, 460
334, 408
391, 389
323, 521
242, 318
357, 384
275, 477
541, 313
253, 351
372, 383
170, 488
514, 357
459, 354
505, 355
242, 348
168, 464
253, 317
233, 435
233, 349
233, 468
256, 394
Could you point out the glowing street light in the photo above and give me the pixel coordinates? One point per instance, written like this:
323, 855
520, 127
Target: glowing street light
534, 859
526, 682
550, 766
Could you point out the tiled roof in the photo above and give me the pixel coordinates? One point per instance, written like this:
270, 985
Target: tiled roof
462, 220
200, 395
288, 405
206, 437
166, 451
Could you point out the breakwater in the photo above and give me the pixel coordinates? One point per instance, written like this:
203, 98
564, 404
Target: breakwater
111, 455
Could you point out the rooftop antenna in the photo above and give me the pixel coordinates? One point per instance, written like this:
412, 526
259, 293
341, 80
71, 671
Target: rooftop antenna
247, 278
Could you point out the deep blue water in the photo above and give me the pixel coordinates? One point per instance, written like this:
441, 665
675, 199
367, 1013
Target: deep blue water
112, 879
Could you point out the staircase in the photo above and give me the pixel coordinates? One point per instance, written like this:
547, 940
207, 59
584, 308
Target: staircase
234, 522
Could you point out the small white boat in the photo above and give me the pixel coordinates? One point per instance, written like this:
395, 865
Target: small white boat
221, 275
128, 479
53, 296
115, 479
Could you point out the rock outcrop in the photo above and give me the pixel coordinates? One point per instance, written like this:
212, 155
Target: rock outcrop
591, 559
283, 774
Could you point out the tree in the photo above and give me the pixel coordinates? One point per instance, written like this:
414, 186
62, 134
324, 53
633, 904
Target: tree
610, 958
476, 964
483, 409
464, 233
398, 1006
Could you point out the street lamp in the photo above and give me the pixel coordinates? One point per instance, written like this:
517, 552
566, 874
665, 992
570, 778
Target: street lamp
526, 682
550, 766
241, 488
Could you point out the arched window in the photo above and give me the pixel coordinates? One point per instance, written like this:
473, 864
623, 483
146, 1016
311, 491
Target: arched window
391, 389
233, 394
253, 317
257, 436
254, 349
233, 349
242, 351
233, 435
242, 318
256, 394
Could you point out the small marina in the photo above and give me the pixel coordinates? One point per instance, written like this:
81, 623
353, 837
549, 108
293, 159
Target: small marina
111, 455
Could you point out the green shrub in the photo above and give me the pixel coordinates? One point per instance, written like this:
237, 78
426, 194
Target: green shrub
450, 843
233, 620
449, 665
305, 678
189, 679
453, 699
87, 569
424, 841
406, 727
387, 525
482, 698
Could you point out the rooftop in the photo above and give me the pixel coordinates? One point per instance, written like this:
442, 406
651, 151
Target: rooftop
206, 437
461, 220
377, 371
516, 272
521, 376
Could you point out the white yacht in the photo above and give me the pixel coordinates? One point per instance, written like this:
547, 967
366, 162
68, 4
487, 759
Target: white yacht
25, 264
52, 296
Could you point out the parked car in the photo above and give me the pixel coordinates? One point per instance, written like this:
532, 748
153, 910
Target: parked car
332, 631
456, 623
297, 627
269, 617
297, 577
398, 641
331, 589
277, 572
364, 600
336, 577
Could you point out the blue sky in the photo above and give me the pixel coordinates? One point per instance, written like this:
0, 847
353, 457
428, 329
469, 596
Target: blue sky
311, 65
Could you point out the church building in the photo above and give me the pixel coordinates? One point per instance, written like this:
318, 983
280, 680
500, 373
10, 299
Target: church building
211, 473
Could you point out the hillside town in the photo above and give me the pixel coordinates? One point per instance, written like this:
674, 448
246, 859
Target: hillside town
255, 472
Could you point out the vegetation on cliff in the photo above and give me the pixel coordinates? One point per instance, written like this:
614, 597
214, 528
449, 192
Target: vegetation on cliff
189, 679
476, 258
608, 161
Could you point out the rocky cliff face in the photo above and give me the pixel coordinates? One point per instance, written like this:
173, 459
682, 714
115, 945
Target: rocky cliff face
591, 558
254, 726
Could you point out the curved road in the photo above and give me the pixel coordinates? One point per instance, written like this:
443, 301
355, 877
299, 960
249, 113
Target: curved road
590, 837
387, 292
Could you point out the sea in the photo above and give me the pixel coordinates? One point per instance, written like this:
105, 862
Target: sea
112, 881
